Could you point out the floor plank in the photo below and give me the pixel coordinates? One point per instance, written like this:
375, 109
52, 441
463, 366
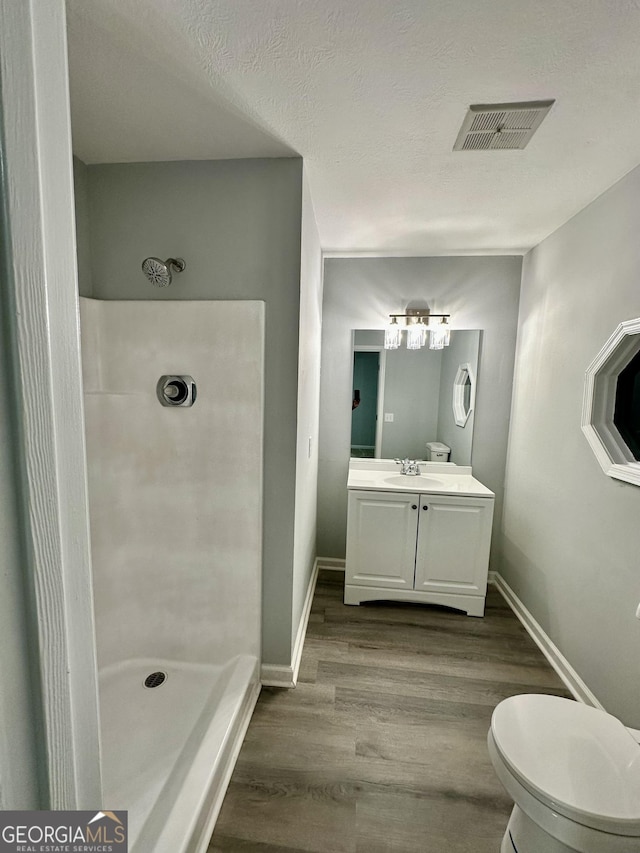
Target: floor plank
382, 746
395, 823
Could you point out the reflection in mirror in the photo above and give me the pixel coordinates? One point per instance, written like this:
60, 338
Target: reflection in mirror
464, 387
404, 397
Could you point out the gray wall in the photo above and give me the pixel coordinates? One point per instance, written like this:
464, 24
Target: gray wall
83, 235
237, 223
411, 394
308, 409
360, 293
571, 534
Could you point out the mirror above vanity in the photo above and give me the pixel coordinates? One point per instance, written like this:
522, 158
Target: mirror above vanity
404, 398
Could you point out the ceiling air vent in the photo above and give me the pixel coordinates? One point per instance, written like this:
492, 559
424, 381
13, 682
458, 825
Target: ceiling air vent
490, 127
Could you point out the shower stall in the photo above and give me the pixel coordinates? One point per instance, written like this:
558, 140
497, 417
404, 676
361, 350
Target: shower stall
175, 494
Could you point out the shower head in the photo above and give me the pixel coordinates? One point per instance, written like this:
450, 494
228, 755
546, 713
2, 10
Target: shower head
159, 272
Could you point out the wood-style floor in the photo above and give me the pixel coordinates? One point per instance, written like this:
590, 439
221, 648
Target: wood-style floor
381, 748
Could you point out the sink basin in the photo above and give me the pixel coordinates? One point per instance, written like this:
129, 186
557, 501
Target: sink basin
414, 483
379, 475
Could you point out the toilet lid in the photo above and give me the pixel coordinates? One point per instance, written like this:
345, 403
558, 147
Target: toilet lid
579, 760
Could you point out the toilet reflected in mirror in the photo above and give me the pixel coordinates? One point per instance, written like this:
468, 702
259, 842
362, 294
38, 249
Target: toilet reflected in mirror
402, 399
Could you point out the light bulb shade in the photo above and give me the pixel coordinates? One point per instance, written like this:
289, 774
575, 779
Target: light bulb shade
415, 336
392, 336
439, 337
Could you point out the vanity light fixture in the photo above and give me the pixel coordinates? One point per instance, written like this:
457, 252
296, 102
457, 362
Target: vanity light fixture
416, 334
440, 336
392, 335
418, 329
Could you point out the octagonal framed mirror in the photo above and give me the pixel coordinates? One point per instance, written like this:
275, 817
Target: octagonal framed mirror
464, 393
611, 407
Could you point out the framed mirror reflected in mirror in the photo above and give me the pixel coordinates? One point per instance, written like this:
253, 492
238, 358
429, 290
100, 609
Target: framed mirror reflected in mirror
464, 393
403, 399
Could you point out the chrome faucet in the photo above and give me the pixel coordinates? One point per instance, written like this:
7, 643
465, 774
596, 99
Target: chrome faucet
409, 467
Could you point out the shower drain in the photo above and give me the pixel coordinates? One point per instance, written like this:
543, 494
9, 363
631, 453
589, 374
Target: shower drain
155, 679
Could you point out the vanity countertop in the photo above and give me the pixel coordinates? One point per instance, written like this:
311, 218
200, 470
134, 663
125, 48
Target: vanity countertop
444, 478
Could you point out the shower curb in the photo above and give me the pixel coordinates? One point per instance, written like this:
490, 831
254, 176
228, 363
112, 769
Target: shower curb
200, 841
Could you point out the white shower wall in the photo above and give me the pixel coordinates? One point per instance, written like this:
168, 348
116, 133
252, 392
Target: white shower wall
175, 493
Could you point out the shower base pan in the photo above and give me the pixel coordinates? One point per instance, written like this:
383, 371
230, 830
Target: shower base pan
168, 751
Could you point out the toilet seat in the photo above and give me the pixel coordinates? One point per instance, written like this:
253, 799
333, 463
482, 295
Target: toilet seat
579, 761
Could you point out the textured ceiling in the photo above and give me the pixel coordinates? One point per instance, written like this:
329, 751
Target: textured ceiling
372, 94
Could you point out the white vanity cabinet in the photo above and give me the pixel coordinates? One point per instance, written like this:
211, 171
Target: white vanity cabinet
381, 540
414, 546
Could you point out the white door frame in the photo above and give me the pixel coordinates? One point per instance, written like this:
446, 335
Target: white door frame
42, 292
382, 366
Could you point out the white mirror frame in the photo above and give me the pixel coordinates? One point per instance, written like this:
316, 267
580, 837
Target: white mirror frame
609, 448
460, 414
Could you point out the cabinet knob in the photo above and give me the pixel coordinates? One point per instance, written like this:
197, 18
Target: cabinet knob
425, 507
414, 506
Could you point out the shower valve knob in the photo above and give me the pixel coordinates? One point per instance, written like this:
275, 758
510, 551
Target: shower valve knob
176, 391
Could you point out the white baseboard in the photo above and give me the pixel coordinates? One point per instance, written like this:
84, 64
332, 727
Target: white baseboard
570, 678
281, 675
276, 675
332, 563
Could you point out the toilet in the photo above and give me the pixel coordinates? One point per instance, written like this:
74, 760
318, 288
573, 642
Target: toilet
573, 772
437, 451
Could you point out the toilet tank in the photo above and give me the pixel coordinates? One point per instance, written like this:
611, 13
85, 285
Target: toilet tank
437, 451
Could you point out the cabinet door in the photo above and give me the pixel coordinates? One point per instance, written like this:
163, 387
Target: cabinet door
381, 539
454, 536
